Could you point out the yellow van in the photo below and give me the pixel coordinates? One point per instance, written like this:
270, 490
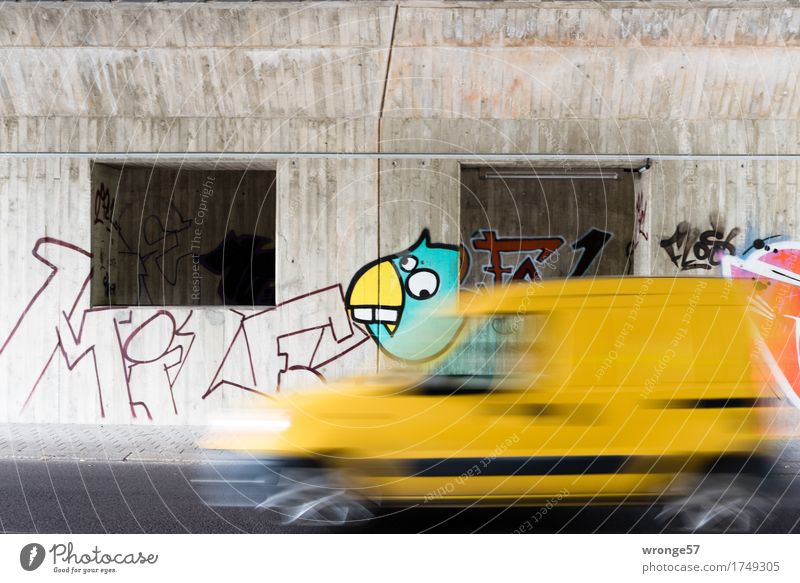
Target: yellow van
597, 391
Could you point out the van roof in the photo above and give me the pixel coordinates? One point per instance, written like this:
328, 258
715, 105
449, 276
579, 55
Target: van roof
536, 295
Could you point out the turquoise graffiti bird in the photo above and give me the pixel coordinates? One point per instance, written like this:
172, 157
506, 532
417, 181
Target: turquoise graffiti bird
407, 300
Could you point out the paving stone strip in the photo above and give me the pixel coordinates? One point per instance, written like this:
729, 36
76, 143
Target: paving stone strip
116, 443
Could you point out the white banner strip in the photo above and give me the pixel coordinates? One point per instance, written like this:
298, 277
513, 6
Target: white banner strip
353, 558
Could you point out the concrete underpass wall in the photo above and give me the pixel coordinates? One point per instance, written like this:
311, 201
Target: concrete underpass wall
496, 78
65, 360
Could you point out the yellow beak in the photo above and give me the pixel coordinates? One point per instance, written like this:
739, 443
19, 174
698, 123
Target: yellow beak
377, 296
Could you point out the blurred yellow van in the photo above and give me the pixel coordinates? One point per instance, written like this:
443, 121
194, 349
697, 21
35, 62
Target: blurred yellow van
598, 391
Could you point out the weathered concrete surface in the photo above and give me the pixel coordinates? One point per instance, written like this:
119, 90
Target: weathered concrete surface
514, 77
62, 359
214, 77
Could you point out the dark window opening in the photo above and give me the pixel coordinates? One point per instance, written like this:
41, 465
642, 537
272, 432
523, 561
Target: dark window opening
182, 237
525, 224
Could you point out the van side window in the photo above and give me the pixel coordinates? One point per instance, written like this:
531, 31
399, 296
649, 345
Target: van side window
490, 351
518, 337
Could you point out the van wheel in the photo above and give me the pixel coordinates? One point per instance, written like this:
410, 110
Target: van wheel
317, 496
719, 503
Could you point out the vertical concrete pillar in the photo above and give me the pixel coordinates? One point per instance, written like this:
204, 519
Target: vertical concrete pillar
416, 197
644, 243
327, 230
327, 222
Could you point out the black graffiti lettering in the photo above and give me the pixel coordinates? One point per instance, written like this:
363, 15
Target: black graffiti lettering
592, 244
712, 246
689, 250
673, 244
102, 204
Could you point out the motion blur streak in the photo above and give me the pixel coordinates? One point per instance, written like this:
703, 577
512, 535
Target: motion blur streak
597, 391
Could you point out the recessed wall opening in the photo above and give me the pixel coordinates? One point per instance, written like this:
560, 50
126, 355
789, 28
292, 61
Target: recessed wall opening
167, 236
541, 223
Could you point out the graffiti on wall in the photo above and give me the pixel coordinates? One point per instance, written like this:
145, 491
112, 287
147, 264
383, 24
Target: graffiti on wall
401, 299
32, 339
270, 350
155, 252
774, 269
132, 355
591, 244
689, 249
136, 358
532, 254
161, 248
103, 208
534, 249
640, 210
149, 350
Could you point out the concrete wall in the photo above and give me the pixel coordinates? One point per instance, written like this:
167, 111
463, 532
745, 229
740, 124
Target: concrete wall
504, 78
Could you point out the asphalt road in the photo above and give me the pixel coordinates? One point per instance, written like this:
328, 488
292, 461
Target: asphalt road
124, 497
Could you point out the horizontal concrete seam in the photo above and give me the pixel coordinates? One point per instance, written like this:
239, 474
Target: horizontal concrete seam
221, 46
239, 156
10, 119
476, 45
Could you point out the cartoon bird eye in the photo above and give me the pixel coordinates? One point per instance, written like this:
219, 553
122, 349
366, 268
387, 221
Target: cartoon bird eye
408, 263
422, 284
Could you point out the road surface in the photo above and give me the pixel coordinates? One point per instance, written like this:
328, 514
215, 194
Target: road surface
72, 496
